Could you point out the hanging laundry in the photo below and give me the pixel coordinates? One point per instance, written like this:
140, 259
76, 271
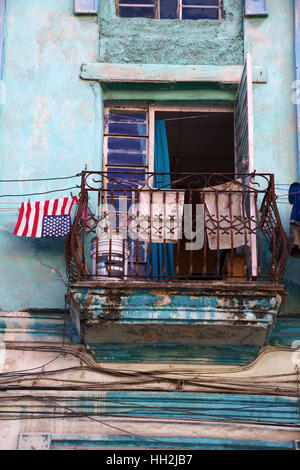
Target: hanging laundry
294, 199
165, 222
226, 220
46, 218
86, 215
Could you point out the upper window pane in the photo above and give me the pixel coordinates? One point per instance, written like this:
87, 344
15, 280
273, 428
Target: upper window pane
200, 13
127, 123
137, 2
170, 9
136, 12
137, 8
201, 2
126, 135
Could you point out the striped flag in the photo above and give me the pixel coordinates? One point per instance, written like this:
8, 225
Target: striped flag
46, 218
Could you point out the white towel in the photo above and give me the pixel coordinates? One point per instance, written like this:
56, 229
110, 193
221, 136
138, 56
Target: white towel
230, 235
166, 215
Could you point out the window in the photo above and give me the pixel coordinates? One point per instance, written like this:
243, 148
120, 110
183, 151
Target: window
201, 153
170, 9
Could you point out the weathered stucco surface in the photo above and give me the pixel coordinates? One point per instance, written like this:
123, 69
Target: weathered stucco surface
151, 41
49, 127
181, 325
143, 396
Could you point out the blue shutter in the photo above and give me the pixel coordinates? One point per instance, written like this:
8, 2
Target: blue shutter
85, 7
256, 8
126, 138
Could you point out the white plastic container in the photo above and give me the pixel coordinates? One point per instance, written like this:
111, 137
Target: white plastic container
112, 262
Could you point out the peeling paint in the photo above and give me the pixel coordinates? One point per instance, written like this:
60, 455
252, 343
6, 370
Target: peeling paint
45, 45
130, 319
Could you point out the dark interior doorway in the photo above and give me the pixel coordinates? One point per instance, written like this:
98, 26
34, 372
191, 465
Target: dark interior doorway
199, 141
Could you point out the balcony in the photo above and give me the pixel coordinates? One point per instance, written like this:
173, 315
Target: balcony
201, 254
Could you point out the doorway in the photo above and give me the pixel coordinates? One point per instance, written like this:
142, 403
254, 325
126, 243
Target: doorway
199, 142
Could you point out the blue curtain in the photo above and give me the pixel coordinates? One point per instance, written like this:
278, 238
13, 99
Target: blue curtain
161, 165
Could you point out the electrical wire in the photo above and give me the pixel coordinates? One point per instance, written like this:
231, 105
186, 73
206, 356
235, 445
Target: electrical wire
43, 192
206, 414
132, 372
224, 385
287, 194
188, 117
53, 415
116, 428
154, 376
42, 367
41, 179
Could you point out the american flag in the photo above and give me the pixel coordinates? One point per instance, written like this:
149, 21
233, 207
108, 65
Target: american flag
46, 218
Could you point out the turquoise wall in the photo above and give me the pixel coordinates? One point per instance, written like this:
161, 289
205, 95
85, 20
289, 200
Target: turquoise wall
271, 42
50, 126
150, 41
51, 123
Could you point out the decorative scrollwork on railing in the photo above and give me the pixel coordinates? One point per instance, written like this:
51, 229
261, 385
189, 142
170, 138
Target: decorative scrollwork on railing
230, 232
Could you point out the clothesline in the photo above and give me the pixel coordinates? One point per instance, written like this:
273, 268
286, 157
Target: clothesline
287, 194
187, 117
40, 193
41, 179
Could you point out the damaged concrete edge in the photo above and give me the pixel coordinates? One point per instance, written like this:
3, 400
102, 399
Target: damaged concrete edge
244, 288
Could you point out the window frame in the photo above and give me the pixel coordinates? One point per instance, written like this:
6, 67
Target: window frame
153, 108
107, 135
156, 6
150, 111
150, 117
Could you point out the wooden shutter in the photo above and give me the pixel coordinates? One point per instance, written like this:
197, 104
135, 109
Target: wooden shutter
243, 122
85, 7
256, 8
244, 151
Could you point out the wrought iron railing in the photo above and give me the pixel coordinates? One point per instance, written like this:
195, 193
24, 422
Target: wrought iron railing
134, 225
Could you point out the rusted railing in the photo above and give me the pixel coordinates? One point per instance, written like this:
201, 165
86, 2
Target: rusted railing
134, 225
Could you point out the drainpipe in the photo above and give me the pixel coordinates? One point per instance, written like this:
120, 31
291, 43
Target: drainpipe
2, 21
297, 75
99, 124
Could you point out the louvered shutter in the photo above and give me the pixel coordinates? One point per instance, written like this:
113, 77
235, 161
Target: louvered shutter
244, 153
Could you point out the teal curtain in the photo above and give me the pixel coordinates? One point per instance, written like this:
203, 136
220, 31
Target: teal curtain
161, 165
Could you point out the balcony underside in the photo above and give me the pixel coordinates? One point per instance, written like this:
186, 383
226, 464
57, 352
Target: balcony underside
222, 322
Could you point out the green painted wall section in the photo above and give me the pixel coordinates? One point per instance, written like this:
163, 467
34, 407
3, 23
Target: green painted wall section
43, 326
193, 93
169, 442
270, 40
286, 331
141, 40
